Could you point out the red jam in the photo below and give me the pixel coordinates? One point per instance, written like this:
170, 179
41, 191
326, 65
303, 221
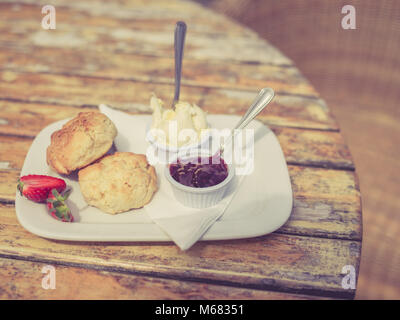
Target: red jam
199, 172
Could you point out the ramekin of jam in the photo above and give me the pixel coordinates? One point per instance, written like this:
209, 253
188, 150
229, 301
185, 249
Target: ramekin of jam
201, 181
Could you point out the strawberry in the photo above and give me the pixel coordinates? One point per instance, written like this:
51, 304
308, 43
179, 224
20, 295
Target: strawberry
57, 207
37, 187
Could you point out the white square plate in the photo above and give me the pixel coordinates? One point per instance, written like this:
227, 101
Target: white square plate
261, 205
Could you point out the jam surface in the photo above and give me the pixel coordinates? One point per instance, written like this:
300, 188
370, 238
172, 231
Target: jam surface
199, 172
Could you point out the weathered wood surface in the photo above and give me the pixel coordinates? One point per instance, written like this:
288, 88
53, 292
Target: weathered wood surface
285, 110
118, 53
116, 65
236, 47
23, 280
299, 264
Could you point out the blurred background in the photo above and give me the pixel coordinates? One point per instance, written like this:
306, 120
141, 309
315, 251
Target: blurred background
357, 72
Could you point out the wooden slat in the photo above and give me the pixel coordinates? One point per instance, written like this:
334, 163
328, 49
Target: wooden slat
279, 262
8, 183
321, 149
28, 119
23, 279
306, 147
219, 74
13, 151
203, 46
292, 111
326, 202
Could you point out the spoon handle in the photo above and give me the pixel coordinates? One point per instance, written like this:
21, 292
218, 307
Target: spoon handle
262, 100
180, 32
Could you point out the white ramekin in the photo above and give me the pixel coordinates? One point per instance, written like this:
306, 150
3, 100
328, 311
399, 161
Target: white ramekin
199, 197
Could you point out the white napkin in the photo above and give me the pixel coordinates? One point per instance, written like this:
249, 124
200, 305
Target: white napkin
185, 226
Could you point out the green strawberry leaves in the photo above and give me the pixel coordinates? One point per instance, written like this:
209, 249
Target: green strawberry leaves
57, 207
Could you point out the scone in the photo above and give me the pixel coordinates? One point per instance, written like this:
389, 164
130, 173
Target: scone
81, 141
118, 182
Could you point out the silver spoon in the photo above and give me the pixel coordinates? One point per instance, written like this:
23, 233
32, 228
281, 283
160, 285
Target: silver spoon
262, 100
179, 42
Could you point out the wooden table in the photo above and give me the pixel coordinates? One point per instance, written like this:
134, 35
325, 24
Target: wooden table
118, 53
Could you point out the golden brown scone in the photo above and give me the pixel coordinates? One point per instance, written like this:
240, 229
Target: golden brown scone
118, 182
81, 141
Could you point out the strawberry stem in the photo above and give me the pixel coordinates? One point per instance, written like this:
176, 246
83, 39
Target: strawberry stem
20, 186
